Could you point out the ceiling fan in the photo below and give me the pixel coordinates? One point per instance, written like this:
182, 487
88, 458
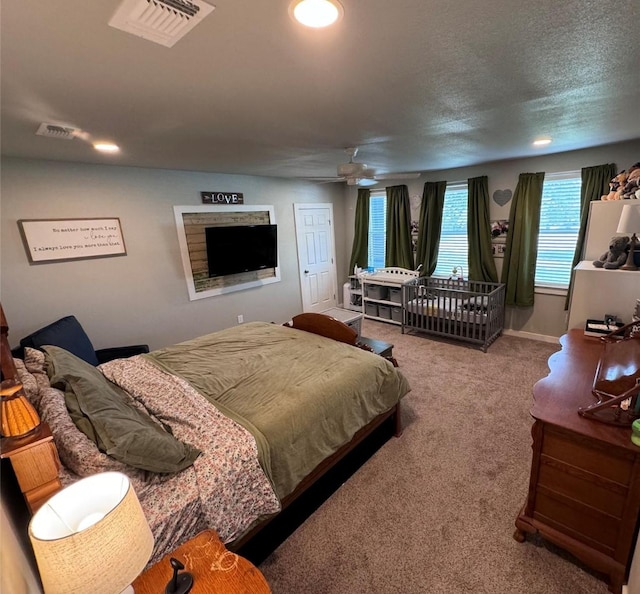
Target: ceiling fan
358, 174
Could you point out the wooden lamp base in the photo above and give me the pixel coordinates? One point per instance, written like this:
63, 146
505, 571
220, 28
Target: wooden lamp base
630, 264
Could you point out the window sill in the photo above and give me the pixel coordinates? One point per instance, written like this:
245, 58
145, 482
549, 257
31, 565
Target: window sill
560, 292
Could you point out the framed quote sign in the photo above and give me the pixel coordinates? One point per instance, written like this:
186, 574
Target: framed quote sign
55, 240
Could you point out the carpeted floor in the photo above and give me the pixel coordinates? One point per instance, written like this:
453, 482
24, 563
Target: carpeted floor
433, 511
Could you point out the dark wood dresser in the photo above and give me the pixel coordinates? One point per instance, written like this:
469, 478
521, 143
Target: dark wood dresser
584, 491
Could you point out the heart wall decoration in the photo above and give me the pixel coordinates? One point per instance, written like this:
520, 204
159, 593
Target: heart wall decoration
501, 197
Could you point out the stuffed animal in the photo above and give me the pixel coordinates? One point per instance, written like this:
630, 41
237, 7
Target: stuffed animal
633, 182
615, 187
617, 254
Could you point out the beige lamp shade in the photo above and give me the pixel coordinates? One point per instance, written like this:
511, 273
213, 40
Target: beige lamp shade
630, 223
91, 537
629, 219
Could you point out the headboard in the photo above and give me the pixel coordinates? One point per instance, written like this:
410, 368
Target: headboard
324, 325
8, 368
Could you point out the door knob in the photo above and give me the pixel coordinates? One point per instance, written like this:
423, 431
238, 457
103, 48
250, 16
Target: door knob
306, 272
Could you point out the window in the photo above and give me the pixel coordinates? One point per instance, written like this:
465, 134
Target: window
559, 227
454, 245
377, 229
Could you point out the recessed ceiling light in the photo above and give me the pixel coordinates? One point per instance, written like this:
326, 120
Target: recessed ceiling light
106, 147
542, 141
316, 13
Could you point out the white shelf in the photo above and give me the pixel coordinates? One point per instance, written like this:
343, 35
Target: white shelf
379, 319
598, 291
352, 298
383, 302
392, 278
588, 265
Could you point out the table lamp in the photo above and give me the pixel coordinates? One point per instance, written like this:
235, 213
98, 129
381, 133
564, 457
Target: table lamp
91, 537
18, 418
630, 223
17, 415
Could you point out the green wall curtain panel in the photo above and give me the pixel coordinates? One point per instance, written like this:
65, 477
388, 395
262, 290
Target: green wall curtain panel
360, 249
398, 251
429, 226
482, 266
595, 183
518, 272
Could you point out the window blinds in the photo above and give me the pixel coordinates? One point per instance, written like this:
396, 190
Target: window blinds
454, 244
377, 230
559, 227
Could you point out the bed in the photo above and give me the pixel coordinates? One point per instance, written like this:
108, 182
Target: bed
471, 311
267, 409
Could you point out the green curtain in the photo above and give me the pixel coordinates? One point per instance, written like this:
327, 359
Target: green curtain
482, 266
398, 250
595, 183
519, 269
360, 249
429, 226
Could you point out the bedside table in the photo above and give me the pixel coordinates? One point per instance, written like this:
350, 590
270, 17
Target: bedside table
214, 568
379, 347
35, 462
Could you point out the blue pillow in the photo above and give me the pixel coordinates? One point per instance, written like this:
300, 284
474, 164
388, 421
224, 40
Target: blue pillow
66, 333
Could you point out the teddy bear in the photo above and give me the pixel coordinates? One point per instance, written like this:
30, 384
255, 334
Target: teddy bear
615, 186
617, 254
632, 184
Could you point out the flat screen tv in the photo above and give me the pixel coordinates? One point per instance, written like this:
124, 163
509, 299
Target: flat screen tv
241, 248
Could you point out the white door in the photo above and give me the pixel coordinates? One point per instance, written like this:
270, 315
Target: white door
316, 256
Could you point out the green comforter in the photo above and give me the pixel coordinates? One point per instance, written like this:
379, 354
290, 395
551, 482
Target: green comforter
302, 396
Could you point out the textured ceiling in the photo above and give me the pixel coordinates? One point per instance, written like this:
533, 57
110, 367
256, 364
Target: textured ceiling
417, 85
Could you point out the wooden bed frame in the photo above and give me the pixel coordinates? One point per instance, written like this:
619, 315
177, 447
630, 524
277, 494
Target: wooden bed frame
310, 322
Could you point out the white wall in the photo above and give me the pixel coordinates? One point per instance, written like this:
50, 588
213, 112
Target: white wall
17, 572
141, 297
547, 317
634, 573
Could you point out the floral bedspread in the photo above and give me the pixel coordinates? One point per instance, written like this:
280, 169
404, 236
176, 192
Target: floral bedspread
232, 487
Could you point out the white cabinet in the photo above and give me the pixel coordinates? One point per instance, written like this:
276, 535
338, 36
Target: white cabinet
597, 291
382, 293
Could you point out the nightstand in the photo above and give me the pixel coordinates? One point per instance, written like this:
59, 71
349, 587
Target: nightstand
379, 347
215, 569
35, 462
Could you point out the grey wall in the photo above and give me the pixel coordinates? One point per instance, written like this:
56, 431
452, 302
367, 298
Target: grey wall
141, 297
547, 317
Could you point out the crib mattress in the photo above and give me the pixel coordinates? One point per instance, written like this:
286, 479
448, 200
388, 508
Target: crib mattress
449, 309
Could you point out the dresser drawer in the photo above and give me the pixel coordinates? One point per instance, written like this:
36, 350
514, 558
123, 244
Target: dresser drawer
580, 522
587, 454
588, 488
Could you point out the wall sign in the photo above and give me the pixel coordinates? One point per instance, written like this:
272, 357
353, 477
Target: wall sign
222, 197
55, 240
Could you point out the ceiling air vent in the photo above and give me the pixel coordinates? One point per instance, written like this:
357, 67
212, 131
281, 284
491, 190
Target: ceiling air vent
56, 131
161, 21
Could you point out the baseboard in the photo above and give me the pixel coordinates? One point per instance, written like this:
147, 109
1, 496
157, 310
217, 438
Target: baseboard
531, 336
